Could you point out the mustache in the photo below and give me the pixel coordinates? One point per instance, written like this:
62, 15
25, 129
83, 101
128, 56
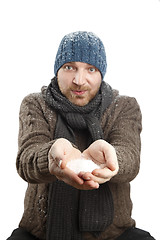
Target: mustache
79, 89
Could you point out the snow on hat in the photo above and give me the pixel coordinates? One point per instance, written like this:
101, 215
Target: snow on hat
81, 47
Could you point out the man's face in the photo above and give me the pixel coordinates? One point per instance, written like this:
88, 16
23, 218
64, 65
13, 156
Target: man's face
79, 82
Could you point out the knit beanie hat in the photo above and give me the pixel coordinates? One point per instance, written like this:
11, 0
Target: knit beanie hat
81, 47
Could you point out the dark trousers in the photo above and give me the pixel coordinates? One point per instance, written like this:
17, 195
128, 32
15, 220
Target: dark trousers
130, 234
21, 234
135, 234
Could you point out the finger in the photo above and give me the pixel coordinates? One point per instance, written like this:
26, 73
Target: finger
80, 174
89, 177
85, 175
101, 176
102, 173
111, 158
91, 184
72, 176
111, 164
62, 163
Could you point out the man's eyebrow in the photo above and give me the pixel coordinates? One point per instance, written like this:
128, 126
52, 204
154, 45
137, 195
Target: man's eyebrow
74, 63
70, 63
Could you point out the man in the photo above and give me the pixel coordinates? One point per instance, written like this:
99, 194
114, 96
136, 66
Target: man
79, 116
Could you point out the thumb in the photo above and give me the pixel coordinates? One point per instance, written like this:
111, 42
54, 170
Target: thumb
63, 163
111, 159
111, 165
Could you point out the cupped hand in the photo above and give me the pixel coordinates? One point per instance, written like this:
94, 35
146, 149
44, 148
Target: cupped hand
63, 150
103, 154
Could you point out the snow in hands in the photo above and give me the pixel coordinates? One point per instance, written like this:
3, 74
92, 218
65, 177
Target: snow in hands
81, 165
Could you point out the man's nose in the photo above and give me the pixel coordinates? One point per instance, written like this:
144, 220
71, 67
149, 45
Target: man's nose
79, 78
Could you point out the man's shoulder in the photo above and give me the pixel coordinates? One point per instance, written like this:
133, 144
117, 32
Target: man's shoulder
33, 99
122, 107
122, 103
36, 97
123, 99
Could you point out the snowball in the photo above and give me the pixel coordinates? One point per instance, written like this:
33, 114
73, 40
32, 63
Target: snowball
81, 164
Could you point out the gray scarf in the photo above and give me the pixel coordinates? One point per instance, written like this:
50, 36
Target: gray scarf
71, 211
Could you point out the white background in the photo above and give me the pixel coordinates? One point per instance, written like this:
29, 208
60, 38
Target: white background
30, 32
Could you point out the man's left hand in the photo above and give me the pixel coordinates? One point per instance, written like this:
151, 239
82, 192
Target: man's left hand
103, 154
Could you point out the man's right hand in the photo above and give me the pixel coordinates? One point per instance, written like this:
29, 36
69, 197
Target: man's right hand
63, 150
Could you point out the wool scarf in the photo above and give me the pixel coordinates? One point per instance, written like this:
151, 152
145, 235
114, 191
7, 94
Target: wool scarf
71, 211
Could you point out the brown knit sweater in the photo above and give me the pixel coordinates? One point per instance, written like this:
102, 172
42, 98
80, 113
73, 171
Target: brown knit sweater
122, 127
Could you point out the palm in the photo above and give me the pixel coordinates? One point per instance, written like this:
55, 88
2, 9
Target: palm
102, 153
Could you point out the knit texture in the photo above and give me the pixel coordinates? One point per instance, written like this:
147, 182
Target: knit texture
121, 124
98, 216
70, 117
81, 47
63, 214
77, 117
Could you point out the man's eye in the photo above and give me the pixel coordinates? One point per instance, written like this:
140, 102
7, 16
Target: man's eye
68, 67
92, 69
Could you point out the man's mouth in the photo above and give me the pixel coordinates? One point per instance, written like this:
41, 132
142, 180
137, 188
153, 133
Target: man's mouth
78, 92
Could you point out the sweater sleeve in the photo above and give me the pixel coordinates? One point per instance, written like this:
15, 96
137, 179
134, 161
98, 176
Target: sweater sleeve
34, 141
124, 135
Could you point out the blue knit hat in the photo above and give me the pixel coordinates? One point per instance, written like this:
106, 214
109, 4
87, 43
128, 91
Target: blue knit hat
81, 47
